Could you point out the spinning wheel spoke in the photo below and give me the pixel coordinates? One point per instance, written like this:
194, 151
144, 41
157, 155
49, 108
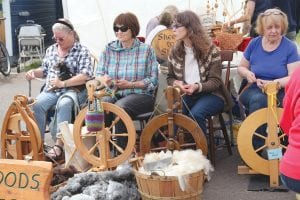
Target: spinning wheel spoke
163, 134
92, 150
283, 146
120, 134
260, 135
117, 146
90, 134
282, 136
260, 148
114, 122
157, 149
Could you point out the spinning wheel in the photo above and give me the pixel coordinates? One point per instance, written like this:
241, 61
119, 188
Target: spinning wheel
176, 130
273, 140
105, 153
20, 134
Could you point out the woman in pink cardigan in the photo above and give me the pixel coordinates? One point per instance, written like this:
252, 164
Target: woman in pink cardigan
290, 123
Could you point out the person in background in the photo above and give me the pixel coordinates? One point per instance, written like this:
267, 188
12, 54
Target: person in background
65, 94
195, 67
155, 20
268, 57
290, 124
253, 9
164, 23
129, 67
289, 8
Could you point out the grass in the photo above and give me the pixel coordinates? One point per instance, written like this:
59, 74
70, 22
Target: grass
32, 65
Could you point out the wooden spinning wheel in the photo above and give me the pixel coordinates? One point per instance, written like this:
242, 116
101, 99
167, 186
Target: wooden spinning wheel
177, 130
20, 135
273, 140
105, 153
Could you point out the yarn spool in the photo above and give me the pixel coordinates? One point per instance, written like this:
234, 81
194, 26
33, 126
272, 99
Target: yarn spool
94, 118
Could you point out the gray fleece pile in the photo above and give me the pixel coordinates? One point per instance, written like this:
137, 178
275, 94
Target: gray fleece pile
109, 185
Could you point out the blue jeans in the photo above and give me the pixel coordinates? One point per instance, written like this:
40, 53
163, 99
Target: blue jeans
291, 183
45, 102
254, 99
133, 104
200, 106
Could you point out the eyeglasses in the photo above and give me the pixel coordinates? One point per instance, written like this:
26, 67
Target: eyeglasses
176, 25
58, 39
121, 28
272, 12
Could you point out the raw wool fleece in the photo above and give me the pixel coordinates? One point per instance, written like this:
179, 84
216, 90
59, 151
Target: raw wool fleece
109, 185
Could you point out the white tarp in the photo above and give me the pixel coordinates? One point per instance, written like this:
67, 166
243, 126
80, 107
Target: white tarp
93, 19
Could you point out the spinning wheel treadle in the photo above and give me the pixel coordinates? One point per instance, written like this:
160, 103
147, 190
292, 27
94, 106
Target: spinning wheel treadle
102, 153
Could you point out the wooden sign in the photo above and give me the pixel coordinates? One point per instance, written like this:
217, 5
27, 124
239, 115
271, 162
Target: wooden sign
162, 43
22, 180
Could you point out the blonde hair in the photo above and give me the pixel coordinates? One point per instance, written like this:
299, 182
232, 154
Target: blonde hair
276, 16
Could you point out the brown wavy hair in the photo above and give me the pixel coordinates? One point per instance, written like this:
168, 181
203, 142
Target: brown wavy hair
197, 34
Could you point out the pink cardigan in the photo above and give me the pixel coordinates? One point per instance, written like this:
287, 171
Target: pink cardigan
290, 123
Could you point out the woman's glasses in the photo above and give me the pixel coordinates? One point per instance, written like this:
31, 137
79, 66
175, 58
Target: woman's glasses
58, 39
272, 12
121, 28
176, 25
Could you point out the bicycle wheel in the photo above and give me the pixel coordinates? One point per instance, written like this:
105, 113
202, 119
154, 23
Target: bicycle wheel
5, 67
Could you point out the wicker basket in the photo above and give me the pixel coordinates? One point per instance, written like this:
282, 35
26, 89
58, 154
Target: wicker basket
228, 41
167, 187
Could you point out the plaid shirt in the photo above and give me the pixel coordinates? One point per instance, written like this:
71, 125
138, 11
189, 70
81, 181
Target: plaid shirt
137, 63
78, 61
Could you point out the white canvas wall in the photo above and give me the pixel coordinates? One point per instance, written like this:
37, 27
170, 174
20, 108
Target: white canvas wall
93, 18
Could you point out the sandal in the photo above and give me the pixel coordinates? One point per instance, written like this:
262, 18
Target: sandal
56, 153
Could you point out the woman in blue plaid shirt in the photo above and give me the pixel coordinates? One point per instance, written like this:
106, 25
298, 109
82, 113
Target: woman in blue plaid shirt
66, 66
130, 67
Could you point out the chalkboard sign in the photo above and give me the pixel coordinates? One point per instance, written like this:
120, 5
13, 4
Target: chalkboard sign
20, 179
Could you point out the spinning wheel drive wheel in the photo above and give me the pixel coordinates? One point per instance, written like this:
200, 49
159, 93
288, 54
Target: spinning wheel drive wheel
244, 140
19, 142
100, 154
186, 134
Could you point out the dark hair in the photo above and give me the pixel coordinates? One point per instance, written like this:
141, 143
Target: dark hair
196, 33
165, 19
130, 20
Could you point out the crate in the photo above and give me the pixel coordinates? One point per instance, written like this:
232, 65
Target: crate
152, 187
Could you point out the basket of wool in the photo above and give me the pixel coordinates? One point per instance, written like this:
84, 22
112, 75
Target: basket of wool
182, 178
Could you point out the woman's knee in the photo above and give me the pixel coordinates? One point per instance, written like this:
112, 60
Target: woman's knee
65, 103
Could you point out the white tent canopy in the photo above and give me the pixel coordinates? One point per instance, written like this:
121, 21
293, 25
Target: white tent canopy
93, 19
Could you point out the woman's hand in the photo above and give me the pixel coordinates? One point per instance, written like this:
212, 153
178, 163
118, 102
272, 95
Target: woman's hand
107, 80
261, 83
123, 84
251, 77
56, 83
30, 75
189, 89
